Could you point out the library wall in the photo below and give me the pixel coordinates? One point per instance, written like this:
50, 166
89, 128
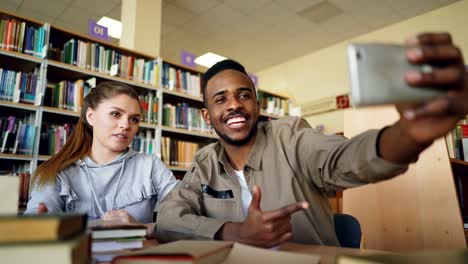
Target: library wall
324, 73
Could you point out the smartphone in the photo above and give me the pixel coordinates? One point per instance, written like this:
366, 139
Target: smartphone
377, 76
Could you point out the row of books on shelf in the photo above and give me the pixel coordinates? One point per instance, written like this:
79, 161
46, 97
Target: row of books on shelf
457, 141
145, 141
149, 105
96, 57
273, 104
184, 116
17, 36
16, 135
53, 137
181, 80
67, 95
18, 86
177, 152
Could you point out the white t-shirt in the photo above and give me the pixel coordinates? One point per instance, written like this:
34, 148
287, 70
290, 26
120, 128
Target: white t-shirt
246, 196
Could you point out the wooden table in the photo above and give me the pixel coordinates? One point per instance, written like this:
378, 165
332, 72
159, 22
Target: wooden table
327, 253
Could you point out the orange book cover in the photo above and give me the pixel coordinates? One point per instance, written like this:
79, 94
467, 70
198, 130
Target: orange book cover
130, 65
8, 34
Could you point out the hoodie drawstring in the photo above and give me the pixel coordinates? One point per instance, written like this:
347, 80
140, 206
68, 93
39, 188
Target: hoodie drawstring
93, 192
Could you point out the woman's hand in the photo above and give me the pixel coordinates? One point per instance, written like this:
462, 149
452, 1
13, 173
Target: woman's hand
118, 216
122, 216
42, 208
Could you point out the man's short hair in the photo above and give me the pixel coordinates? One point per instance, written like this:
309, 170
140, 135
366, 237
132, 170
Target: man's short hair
219, 67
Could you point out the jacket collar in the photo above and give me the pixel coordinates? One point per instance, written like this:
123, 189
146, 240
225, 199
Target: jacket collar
256, 153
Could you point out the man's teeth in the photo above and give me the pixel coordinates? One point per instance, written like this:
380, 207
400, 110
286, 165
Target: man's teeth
235, 120
120, 136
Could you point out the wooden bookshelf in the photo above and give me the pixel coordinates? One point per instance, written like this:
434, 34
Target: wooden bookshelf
20, 56
183, 67
276, 94
66, 34
86, 72
182, 95
59, 111
268, 115
457, 161
22, 106
15, 156
55, 71
148, 125
43, 157
188, 132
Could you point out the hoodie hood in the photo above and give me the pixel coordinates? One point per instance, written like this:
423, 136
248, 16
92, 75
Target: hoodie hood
126, 154
114, 169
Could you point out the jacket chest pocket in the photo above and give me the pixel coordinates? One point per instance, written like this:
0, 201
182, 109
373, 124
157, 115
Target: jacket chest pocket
223, 209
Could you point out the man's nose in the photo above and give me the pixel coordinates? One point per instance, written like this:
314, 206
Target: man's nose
234, 104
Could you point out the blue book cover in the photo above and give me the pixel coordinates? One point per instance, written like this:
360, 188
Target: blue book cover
2, 83
9, 86
20, 146
30, 141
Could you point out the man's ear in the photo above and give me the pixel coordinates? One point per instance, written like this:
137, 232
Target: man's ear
90, 116
258, 108
206, 116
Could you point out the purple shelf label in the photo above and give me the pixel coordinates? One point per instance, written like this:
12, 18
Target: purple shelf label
187, 59
97, 31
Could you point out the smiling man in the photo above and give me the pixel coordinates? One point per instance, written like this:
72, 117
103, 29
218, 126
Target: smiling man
293, 165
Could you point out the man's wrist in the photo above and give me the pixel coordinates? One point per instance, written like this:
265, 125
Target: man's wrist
397, 145
229, 232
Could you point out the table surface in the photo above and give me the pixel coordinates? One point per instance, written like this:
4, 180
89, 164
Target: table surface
327, 253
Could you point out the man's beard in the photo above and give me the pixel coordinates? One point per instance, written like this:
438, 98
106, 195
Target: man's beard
241, 142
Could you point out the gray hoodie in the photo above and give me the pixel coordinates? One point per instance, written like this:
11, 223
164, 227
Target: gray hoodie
133, 181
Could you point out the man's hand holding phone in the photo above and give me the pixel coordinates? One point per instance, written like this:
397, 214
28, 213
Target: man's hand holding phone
448, 73
422, 123
433, 119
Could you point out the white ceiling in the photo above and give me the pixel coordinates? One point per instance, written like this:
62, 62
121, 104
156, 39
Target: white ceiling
257, 33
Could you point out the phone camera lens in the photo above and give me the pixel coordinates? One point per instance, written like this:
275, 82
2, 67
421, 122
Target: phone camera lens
358, 55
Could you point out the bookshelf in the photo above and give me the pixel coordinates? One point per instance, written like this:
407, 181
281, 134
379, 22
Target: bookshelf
457, 148
63, 60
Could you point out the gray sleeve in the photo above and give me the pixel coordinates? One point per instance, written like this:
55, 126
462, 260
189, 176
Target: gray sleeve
334, 162
47, 194
162, 178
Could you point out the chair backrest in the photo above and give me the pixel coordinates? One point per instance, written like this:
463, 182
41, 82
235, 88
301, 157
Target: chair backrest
348, 230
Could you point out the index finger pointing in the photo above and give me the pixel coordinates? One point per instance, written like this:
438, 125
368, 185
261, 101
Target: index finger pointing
285, 211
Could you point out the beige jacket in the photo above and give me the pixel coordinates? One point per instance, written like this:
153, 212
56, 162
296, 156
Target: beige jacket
290, 162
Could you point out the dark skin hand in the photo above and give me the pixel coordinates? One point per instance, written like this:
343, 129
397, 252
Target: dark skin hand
421, 124
262, 228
